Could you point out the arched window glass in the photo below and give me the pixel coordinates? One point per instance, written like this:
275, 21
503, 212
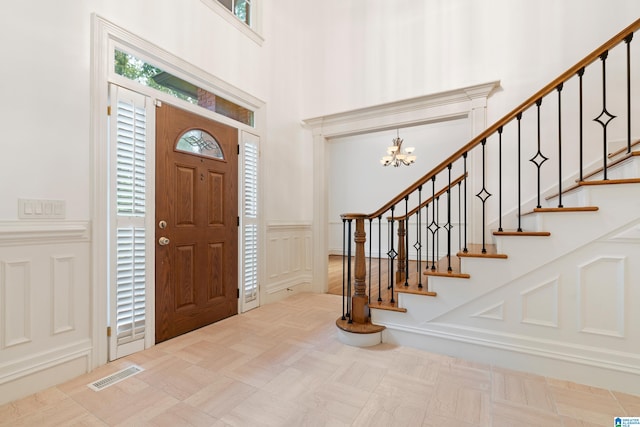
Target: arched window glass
197, 141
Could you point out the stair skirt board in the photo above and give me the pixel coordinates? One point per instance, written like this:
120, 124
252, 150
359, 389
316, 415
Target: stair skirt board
579, 364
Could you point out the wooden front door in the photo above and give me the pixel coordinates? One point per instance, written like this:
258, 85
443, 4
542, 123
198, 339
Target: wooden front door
196, 222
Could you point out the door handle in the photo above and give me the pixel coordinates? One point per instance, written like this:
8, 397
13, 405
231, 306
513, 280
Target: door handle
163, 241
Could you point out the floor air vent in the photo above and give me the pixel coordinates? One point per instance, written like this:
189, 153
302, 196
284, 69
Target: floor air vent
110, 380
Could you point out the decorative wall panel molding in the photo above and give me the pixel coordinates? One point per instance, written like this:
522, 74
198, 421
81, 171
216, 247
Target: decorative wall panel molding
62, 290
540, 304
629, 235
45, 304
288, 255
28, 232
601, 291
15, 290
494, 312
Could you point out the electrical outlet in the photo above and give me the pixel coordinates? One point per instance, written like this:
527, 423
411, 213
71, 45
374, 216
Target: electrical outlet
41, 209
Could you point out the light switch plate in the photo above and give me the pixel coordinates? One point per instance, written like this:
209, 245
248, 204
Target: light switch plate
41, 209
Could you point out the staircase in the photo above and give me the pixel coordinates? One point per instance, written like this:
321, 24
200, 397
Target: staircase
522, 249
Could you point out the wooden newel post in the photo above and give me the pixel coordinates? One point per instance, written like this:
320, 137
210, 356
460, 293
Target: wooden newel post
401, 274
360, 300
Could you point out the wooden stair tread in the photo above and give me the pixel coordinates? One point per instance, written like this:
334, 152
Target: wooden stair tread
521, 233
414, 289
442, 269
613, 163
612, 181
624, 149
567, 209
474, 250
592, 173
358, 328
386, 305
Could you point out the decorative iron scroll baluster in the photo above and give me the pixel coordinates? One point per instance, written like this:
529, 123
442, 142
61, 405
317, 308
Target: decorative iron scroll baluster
539, 158
627, 40
464, 156
449, 226
580, 75
426, 221
344, 291
392, 255
370, 246
433, 227
406, 240
519, 118
418, 244
349, 311
605, 117
483, 195
559, 89
379, 258
500, 178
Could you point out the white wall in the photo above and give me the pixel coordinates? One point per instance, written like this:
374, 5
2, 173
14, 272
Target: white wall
358, 183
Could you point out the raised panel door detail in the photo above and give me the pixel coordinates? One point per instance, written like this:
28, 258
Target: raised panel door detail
215, 196
184, 276
216, 270
185, 195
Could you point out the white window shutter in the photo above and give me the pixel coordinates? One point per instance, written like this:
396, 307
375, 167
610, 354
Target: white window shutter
128, 252
250, 235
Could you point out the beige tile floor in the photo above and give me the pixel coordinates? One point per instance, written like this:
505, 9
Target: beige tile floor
282, 365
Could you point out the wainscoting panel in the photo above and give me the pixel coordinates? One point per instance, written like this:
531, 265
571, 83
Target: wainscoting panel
288, 259
45, 305
601, 291
62, 289
16, 309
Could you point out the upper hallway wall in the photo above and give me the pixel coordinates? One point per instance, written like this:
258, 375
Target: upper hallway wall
368, 53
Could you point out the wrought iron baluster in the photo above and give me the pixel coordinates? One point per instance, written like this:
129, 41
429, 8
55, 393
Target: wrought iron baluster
605, 117
539, 158
433, 226
349, 311
370, 246
559, 89
344, 270
379, 258
459, 215
580, 75
465, 203
426, 221
448, 225
519, 118
438, 233
418, 245
500, 178
406, 240
483, 195
627, 40
392, 254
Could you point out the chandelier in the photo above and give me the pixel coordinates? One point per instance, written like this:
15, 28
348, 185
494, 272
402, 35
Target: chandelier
396, 156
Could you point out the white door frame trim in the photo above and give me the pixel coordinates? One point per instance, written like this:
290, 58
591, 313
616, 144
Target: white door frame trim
104, 35
470, 101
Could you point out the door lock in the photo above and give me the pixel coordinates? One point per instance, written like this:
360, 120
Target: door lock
162, 224
163, 241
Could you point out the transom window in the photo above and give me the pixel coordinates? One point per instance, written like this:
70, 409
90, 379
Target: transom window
136, 69
240, 8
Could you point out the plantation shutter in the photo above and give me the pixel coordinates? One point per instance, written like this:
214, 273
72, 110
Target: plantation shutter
129, 243
250, 158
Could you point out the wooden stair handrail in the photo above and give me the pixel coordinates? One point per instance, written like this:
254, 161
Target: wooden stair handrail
429, 200
592, 57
